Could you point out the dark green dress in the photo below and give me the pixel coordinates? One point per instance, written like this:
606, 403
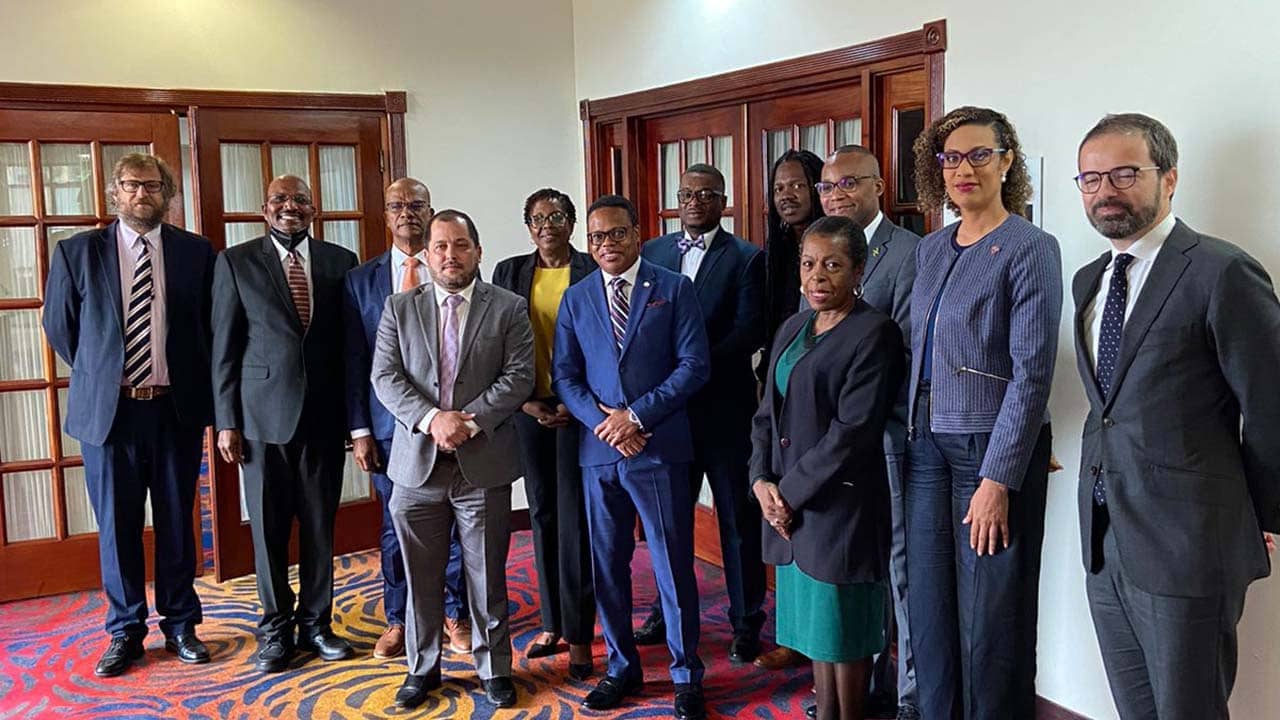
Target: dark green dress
828, 623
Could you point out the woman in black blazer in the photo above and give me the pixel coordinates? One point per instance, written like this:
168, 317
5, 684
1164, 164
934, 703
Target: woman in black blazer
549, 438
818, 467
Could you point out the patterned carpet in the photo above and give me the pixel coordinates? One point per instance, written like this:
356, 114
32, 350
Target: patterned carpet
50, 646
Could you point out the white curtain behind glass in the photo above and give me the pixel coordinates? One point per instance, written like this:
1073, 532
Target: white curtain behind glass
669, 174
291, 160
68, 179
338, 178
242, 189
722, 155
22, 357
28, 506
814, 139
18, 277
15, 179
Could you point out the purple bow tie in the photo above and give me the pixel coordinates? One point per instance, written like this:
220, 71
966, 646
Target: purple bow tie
685, 243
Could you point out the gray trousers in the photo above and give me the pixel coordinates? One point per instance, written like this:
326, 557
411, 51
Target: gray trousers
1167, 658
886, 680
423, 517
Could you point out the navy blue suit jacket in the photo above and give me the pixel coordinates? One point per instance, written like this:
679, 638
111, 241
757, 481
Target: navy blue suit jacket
365, 294
83, 319
663, 361
730, 286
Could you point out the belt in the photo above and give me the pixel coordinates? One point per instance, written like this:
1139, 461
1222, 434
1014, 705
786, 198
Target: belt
146, 392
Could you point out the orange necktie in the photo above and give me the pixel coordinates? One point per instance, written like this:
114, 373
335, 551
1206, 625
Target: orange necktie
410, 280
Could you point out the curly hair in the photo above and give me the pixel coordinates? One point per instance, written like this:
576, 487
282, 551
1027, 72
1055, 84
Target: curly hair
1016, 190
555, 197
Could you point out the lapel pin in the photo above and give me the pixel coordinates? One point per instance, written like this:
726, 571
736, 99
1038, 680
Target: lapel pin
646, 283
875, 251
995, 249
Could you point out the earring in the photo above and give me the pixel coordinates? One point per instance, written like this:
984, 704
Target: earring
1004, 176
857, 292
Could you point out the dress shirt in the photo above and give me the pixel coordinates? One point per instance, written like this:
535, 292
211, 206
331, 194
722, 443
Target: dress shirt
692, 260
630, 275
304, 256
462, 310
398, 269
872, 226
128, 250
1144, 251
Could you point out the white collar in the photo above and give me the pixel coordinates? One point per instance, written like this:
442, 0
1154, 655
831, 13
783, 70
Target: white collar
870, 230
465, 292
398, 257
707, 237
129, 236
302, 248
1148, 246
629, 274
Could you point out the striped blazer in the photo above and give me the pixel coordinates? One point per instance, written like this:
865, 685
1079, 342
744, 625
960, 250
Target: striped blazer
995, 339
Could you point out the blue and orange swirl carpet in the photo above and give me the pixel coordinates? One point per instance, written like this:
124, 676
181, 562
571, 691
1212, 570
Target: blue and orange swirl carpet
49, 647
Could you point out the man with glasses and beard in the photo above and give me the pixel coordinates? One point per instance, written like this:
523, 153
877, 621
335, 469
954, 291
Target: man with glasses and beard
1177, 342
127, 307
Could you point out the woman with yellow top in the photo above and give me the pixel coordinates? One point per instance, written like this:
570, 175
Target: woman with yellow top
549, 438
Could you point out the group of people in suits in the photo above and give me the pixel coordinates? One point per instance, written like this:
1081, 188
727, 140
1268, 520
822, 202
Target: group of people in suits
889, 454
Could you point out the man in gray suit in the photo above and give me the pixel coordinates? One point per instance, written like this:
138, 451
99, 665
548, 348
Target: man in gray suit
453, 361
851, 186
1177, 342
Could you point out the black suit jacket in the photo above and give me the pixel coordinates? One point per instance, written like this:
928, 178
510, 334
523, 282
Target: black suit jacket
1187, 489
516, 273
83, 321
730, 290
266, 369
823, 444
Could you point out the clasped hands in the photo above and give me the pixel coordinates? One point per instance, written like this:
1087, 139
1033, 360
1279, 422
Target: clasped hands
774, 507
449, 428
620, 432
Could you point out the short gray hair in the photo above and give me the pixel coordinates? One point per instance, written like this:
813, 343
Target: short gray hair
1160, 143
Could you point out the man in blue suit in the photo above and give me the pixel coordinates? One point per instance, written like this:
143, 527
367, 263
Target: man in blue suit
402, 268
728, 279
128, 306
630, 350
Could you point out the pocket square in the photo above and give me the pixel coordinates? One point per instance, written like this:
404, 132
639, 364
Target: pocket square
656, 303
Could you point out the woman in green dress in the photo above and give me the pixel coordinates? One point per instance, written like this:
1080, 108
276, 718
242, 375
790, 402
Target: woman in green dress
818, 467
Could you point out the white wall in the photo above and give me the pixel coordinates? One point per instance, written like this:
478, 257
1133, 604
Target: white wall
1208, 70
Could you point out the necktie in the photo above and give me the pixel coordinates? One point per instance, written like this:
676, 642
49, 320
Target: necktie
137, 328
449, 351
687, 243
410, 280
297, 278
1109, 341
619, 309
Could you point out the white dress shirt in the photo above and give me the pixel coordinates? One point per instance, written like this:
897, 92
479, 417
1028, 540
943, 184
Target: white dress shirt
872, 226
692, 259
462, 311
128, 250
1144, 251
629, 275
303, 249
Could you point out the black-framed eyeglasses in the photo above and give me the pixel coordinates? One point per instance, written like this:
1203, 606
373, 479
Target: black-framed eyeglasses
705, 195
417, 207
131, 186
848, 183
616, 235
977, 157
555, 219
299, 199
1122, 178
796, 186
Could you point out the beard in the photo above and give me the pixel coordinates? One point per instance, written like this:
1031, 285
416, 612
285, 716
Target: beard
454, 283
1128, 224
141, 214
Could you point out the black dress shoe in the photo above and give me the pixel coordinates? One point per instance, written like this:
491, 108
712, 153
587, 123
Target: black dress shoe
654, 629
415, 689
119, 655
274, 654
581, 671
811, 711
538, 650
500, 691
324, 643
689, 703
611, 692
882, 704
744, 648
187, 647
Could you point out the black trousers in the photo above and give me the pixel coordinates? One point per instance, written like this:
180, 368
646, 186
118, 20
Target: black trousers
301, 479
557, 514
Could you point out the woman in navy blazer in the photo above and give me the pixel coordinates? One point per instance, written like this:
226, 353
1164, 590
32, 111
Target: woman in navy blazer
818, 470
988, 293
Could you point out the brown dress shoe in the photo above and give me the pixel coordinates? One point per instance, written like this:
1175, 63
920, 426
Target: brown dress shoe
780, 658
459, 632
391, 644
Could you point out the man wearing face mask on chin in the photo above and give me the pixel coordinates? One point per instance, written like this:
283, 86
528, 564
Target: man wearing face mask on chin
278, 371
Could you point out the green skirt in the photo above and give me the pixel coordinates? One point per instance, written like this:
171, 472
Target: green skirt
829, 623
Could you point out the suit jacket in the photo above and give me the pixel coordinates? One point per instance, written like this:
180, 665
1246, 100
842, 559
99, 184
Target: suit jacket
83, 321
266, 368
823, 444
663, 361
515, 274
1187, 489
495, 376
887, 281
730, 289
365, 294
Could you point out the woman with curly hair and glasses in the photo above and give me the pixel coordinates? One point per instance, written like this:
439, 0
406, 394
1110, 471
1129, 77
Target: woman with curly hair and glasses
988, 295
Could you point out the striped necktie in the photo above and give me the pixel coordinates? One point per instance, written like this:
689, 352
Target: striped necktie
297, 278
619, 309
449, 350
137, 328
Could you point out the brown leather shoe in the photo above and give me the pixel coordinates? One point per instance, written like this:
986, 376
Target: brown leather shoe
780, 658
459, 632
391, 644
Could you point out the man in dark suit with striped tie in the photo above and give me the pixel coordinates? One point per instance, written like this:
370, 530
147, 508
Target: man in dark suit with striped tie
127, 307
278, 395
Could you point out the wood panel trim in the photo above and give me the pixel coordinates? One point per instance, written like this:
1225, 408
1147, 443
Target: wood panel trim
109, 97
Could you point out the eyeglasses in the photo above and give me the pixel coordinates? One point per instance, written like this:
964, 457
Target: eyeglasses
977, 157
555, 219
131, 186
616, 235
1122, 177
704, 195
416, 207
302, 200
797, 186
848, 183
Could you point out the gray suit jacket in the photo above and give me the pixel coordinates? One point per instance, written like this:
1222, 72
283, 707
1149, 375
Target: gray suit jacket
495, 376
1187, 489
886, 286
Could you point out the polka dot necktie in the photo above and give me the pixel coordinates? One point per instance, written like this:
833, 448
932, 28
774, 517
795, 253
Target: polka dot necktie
1109, 341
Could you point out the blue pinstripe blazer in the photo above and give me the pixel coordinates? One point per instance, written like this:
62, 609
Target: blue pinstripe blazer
995, 338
